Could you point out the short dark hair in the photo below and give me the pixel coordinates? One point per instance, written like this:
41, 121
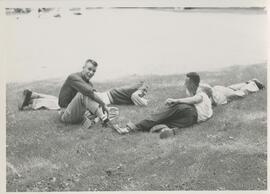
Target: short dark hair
91, 61
194, 77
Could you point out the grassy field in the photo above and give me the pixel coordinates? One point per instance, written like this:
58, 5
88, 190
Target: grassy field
228, 152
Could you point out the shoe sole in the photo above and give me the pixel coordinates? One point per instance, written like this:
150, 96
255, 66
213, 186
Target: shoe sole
166, 133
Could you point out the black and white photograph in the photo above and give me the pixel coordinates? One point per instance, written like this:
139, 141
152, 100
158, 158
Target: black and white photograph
135, 96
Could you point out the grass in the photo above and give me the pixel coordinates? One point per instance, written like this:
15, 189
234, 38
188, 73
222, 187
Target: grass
228, 152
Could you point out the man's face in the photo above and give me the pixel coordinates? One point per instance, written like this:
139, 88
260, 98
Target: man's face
186, 83
89, 71
186, 86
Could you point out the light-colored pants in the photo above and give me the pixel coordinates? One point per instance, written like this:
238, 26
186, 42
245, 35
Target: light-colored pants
45, 101
77, 107
221, 94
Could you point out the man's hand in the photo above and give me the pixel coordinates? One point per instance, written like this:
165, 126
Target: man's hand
105, 109
171, 102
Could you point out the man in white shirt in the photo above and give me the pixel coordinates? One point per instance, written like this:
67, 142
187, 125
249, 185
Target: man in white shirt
182, 112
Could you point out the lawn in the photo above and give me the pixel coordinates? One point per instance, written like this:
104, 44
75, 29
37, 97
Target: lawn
228, 152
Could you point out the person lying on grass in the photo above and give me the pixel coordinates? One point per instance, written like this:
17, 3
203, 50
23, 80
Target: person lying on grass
222, 94
77, 96
127, 95
179, 113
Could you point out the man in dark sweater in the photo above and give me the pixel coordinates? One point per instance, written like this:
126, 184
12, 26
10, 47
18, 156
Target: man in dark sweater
79, 82
78, 95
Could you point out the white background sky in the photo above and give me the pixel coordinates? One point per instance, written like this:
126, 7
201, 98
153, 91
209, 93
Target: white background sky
132, 41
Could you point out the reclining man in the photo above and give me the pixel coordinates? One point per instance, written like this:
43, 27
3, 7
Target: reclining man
180, 112
127, 95
78, 95
222, 95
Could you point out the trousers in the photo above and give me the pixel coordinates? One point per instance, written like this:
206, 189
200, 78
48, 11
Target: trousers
179, 116
77, 107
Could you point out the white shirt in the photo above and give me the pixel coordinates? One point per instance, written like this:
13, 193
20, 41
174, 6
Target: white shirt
250, 87
221, 93
204, 108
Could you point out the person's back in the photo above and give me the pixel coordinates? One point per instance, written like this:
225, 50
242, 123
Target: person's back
222, 94
204, 108
211, 93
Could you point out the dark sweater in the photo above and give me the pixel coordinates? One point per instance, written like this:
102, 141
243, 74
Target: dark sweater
73, 84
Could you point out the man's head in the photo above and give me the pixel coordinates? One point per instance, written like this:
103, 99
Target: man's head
258, 83
192, 82
89, 69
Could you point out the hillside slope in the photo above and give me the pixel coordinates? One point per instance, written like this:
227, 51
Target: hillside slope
228, 152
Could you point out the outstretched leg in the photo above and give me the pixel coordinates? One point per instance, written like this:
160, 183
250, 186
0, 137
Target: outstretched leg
181, 115
34, 101
124, 95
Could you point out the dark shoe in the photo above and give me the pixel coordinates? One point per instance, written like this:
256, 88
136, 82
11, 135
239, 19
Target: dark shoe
167, 132
25, 99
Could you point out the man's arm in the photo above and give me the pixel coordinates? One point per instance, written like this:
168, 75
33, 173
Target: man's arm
189, 100
86, 89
